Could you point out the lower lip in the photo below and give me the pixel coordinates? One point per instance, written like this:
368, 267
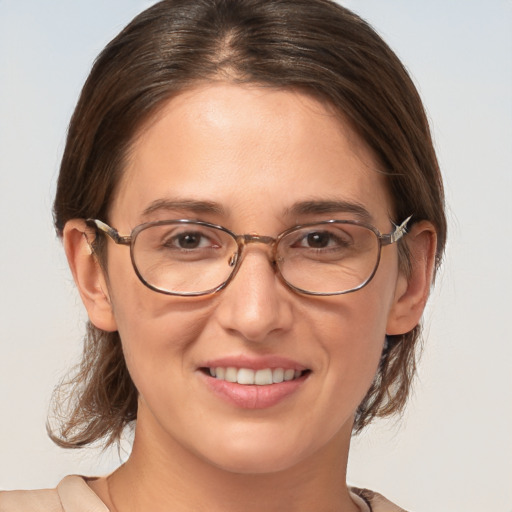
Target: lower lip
253, 396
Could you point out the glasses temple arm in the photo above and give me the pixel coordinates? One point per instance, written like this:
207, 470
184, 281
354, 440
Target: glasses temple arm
397, 233
111, 232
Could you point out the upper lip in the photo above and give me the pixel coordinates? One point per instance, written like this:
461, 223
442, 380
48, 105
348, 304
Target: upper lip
254, 363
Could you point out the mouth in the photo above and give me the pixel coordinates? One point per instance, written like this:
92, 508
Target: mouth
254, 383
250, 377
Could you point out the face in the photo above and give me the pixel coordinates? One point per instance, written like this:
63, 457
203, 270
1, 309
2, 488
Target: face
253, 155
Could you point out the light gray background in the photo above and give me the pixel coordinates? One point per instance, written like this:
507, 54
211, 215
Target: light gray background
452, 451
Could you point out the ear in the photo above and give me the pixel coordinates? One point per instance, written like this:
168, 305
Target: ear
88, 274
412, 290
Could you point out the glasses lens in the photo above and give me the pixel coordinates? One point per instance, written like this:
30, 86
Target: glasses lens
328, 258
183, 258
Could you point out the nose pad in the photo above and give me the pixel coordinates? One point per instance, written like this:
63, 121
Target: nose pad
233, 259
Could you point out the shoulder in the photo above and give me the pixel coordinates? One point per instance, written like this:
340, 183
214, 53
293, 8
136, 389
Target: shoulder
43, 500
71, 495
375, 501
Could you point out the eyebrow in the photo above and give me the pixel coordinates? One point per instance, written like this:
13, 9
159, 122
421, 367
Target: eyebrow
190, 205
310, 207
330, 206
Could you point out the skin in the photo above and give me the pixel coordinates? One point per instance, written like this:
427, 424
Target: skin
255, 152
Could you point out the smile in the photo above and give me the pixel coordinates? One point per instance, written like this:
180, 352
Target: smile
247, 376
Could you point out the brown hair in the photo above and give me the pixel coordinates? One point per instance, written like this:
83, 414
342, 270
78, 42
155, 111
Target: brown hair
314, 45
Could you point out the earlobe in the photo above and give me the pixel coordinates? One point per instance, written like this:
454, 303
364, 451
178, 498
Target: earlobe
412, 290
88, 274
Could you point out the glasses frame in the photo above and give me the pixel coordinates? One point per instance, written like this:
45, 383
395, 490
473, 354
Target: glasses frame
242, 241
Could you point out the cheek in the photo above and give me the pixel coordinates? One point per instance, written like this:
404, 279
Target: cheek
352, 332
354, 348
157, 350
150, 328
143, 316
355, 323
156, 330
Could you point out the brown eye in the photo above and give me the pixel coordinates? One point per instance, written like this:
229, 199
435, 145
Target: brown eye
189, 240
318, 240
322, 239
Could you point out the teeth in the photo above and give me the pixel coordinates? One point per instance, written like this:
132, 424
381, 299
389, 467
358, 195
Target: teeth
289, 374
278, 375
263, 377
231, 374
259, 377
246, 376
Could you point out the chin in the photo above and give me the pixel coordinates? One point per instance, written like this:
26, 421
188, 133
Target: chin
256, 462
263, 454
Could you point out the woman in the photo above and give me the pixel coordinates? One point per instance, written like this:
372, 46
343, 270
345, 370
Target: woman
269, 169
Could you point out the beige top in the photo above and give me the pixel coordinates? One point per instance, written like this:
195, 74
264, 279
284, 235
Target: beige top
74, 495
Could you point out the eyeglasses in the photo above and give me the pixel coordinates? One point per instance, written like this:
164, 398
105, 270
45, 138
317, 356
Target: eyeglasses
192, 258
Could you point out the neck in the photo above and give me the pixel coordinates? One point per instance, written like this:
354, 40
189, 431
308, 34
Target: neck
161, 477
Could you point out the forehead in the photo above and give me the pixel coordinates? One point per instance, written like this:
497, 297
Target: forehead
251, 150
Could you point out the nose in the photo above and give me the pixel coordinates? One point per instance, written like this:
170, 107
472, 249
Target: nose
256, 305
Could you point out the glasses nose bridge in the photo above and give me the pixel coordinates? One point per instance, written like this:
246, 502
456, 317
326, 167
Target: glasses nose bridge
247, 239
257, 239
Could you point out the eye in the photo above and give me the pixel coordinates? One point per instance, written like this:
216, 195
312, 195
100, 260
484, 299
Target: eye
323, 239
180, 238
190, 240
318, 240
